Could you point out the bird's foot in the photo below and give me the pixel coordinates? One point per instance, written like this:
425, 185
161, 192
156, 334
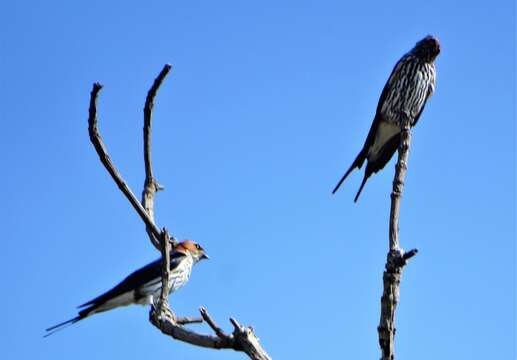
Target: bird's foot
167, 313
161, 312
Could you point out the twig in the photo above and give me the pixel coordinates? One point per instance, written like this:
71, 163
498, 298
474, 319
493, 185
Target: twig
178, 332
166, 267
396, 258
248, 342
206, 316
97, 142
243, 338
189, 320
151, 186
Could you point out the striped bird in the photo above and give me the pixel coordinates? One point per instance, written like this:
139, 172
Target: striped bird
142, 286
410, 84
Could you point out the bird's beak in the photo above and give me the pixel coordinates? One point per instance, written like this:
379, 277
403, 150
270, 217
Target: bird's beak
204, 256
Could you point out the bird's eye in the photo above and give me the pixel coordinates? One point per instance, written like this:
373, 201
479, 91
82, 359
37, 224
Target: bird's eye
198, 247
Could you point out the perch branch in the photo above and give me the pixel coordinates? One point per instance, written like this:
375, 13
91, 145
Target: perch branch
97, 142
396, 258
242, 338
189, 320
151, 186
208, 319
166, 267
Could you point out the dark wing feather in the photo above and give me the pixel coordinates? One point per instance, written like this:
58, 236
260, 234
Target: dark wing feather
385, 90
385, 154
370, 139
393, 76
378, 115
420, 113
130, 283
135, 280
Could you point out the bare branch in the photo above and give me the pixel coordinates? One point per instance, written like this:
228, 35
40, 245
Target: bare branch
189, 320
249, 343
178, 332
166, 267
151, 186
243, 338
206, 316
97, 142
396, 258
408, 255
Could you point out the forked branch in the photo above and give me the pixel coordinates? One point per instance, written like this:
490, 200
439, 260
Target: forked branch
243, 338
396, 258
97, 142
151, 186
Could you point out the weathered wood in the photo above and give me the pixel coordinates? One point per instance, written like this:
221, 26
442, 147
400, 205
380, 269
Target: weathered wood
396, 258
243, 338
105, 159
151, 186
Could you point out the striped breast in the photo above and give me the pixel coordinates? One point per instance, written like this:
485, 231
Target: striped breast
178, 277
411, 84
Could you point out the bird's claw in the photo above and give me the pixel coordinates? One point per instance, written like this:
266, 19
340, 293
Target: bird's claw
164, 312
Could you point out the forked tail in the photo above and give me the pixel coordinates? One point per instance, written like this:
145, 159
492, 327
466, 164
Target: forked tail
53, 329
358, 162
366, 176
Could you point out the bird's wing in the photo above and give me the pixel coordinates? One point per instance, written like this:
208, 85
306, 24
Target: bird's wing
372, 133
370, 139
419, 113
130, 283
135, 280
385, 154
395, 73
430, 92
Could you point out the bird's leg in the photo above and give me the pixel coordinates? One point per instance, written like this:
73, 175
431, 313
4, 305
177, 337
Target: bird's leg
160, 310
165, 311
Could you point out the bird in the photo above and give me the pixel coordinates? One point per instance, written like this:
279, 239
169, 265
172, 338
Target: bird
143, 285
410, 85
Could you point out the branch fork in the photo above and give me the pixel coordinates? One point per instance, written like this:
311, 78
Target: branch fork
243, 338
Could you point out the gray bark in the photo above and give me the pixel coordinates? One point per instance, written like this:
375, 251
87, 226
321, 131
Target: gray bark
242, 338
396, 258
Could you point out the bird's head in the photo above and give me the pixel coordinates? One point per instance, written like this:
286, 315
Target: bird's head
427, 49
194, 249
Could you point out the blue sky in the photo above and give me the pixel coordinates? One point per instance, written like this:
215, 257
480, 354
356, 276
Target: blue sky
266, 106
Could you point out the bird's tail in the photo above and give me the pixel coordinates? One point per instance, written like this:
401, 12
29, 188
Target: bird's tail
53, 329
358, 162
366, 176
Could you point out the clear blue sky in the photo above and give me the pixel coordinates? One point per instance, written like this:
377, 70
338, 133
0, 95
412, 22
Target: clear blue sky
266, 106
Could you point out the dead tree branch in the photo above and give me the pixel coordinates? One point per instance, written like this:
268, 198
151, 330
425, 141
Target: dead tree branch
166, 268
396, 258
243, 338
151, 186
97, 142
